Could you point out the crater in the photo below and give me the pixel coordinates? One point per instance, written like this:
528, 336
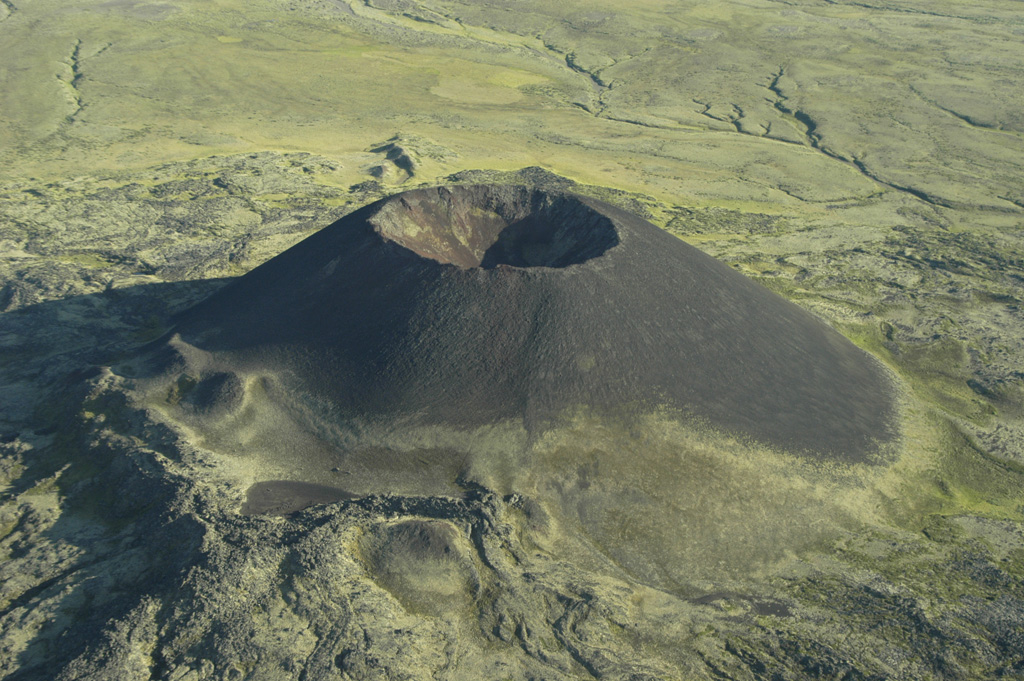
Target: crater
491, 226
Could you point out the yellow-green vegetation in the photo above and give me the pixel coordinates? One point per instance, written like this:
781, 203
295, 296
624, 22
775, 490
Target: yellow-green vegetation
90, 260
863, 159
603, 95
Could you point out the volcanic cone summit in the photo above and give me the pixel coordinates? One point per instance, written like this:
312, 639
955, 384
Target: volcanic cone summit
488, 229
473, 305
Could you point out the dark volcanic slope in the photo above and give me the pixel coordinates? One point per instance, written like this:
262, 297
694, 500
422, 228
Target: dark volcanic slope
471, 304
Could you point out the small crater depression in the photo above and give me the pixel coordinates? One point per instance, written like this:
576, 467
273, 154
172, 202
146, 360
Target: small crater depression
493, 226
216, 393
425, 564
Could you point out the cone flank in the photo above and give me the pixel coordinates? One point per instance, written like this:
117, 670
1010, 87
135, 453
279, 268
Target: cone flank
473, 305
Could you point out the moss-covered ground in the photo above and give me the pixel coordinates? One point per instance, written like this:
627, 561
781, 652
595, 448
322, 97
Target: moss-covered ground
861, 159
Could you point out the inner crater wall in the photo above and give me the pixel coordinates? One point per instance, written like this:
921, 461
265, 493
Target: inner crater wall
487, 226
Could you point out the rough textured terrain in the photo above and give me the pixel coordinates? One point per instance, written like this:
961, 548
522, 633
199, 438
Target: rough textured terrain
862, 159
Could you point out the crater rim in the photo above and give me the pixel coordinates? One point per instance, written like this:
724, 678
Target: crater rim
495, 226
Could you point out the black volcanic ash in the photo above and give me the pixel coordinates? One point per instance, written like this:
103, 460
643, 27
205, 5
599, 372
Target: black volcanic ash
470, 305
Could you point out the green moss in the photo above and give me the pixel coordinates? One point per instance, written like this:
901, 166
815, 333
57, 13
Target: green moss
937, 370
181, 388
111, 409
47, 486
90, 260
12, 473
151, 329
980, 483
7, 528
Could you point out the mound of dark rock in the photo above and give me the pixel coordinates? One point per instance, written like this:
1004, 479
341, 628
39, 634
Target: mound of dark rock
470, 305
